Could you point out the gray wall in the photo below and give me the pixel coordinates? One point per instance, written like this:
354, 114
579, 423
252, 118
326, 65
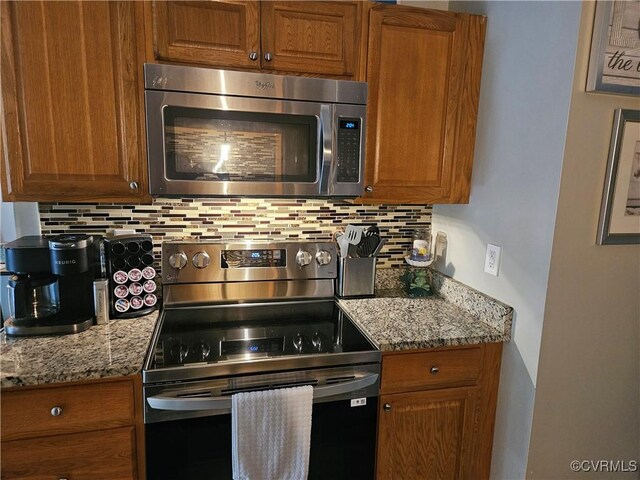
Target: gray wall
588, 390
524, 102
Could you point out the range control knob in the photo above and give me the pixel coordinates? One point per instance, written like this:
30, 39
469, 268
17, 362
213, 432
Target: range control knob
178, 260
303, 258
201, 260
298, 342
323, 257
203, 350
318, 341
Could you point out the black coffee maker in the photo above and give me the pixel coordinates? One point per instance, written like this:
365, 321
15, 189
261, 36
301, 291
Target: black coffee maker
51, 289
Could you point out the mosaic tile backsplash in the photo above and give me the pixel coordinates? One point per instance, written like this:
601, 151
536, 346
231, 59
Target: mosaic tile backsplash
241, 219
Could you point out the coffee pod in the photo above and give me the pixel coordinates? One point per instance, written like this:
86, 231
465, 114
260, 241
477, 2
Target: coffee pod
136, 303
150, 300
148, 272
135, 275
121, 291
135, 288
120, 277
149, 286
122, 305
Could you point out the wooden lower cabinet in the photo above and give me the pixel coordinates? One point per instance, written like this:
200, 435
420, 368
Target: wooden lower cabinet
429, 429
81, 430
107, 454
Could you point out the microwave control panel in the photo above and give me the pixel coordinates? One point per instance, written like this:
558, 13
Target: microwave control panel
349, 150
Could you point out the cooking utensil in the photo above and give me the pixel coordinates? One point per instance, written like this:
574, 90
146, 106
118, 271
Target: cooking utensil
344, 244
369, 242
353, 234
379, 247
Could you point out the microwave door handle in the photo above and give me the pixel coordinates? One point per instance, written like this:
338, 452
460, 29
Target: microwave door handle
170, 401
325, 147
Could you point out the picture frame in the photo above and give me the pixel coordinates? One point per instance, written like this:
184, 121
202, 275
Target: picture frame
614, 62
619, 222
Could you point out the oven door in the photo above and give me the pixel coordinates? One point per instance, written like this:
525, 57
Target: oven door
188, 432
221, 145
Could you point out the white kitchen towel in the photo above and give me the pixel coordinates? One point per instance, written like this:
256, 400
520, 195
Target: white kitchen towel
271, 434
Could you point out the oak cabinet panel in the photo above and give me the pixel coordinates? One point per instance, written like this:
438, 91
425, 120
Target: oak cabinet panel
315, 38
435, 369
72, 101
311, 37
438, 424
426, 434
81, 430
210, 33
423, 71
91, 455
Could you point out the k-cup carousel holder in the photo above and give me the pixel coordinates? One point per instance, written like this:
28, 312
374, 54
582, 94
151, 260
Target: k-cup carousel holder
133, 289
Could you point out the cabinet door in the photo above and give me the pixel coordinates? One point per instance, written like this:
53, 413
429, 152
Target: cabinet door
426, 434
219, 33
424, 77
72, 98
108, 454
311, 37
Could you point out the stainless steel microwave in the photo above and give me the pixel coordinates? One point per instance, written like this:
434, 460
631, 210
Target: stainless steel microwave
225, 133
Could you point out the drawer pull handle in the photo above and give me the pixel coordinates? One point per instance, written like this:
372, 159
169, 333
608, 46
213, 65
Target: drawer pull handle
434, 370
387, 407
63, 478
56, 411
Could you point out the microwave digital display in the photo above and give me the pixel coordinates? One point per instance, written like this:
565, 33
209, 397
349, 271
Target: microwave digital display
349, 124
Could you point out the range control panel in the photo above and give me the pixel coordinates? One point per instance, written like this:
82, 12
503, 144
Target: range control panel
203, 262
349, 150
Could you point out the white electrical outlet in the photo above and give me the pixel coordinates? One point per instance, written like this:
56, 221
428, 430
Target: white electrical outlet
492, 260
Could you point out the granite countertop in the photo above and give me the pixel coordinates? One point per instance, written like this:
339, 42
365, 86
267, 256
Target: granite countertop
114, 349
454, 315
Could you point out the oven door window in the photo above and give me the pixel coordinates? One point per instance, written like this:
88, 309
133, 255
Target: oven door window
343, 441
233, 146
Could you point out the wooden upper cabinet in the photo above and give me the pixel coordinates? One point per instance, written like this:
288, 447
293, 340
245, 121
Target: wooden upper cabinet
224, 34
423, 72
72, 100
311, 37
308, 37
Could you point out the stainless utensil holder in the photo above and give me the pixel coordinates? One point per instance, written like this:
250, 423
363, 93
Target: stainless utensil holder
356, 277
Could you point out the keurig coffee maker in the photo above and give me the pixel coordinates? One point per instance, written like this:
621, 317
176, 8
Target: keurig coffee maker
51, 289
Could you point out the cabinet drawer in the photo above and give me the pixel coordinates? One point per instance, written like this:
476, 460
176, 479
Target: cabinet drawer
102, 454
440, 368
31, 412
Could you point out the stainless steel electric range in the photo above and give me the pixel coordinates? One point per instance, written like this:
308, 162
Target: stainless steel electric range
251, 316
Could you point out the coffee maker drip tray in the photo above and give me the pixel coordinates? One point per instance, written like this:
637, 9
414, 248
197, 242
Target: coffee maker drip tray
53, 325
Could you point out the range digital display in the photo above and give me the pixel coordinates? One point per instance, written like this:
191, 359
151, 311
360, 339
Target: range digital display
260, 345
253, 258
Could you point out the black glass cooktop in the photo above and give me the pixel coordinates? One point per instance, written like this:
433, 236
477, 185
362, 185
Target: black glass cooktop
253, 333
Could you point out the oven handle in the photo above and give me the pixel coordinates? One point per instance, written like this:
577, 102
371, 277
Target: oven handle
170, 401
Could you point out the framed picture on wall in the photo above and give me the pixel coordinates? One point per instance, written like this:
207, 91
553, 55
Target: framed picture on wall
614, 64
620, 211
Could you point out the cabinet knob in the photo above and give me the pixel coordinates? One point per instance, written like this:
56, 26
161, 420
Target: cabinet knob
434, 370
133, 185
253, 56
368, 189
387, 407
56, 411
268, 57
63, 478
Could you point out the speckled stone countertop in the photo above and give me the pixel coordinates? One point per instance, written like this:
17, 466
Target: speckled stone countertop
114, 349
455, 315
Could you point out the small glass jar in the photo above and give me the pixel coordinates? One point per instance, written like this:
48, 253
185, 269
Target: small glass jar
421, 244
